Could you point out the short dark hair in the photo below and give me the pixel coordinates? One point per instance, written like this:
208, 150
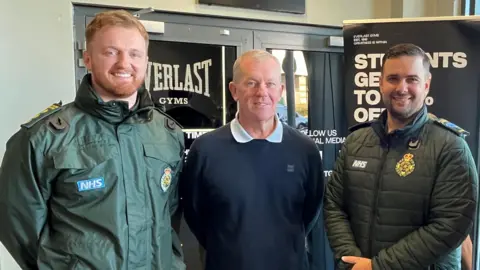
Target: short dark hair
407, 49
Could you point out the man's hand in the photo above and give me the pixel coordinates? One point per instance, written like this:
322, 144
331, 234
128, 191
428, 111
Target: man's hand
467, 254
359, 263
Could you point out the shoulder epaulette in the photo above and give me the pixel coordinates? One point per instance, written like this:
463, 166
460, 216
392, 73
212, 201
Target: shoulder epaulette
41, 115
170, 123
449, 125
360, 125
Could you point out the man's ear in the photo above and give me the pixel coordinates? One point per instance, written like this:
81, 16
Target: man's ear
233, 90
87, 60
427, 82
146, 66
280, 94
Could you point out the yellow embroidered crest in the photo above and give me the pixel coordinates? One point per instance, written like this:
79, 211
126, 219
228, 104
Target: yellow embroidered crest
405, 166
166, 178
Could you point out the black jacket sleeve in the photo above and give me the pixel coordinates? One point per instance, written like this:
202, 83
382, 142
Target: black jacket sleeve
23, 199
191, 192
338, 228
451, 217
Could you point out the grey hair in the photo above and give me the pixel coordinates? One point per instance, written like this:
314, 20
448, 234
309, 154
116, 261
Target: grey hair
256, 55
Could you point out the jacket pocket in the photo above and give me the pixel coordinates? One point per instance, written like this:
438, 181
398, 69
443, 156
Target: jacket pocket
162, 164
84, 174
83, 158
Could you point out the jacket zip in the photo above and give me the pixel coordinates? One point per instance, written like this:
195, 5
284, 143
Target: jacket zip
127, 255
374, 214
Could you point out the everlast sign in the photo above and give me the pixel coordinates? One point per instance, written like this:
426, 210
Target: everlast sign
188, 80
193, 78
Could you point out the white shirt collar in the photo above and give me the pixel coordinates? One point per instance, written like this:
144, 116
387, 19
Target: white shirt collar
242, 136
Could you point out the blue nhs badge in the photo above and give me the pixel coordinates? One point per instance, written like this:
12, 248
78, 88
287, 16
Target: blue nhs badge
90, 184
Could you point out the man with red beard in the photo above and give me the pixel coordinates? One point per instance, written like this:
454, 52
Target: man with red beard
93, 184
403, 191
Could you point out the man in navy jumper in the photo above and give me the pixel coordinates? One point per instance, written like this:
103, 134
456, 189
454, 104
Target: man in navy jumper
252, 188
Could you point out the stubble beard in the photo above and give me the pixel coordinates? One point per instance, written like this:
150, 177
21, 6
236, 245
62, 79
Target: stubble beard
404, 115
123, 90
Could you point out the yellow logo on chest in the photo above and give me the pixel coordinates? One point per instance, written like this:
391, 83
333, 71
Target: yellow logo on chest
405, 166
166, 178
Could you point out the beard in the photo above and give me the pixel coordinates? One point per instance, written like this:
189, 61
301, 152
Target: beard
403, 114
109, 86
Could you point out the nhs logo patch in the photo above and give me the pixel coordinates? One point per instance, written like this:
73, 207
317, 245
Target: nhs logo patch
90, 184
359, 164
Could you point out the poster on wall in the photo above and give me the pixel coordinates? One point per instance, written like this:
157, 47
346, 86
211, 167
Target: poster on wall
190, 81
451, 43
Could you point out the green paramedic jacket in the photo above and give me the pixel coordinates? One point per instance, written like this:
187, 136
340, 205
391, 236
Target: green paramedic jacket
93, 185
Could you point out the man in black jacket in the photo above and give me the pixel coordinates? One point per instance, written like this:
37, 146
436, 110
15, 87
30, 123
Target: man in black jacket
403, 191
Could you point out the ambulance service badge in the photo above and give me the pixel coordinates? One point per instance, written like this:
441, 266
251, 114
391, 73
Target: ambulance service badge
166, 178
405, 166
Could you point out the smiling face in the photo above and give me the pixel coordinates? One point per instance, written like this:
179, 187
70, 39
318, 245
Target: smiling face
117, 59
258, 89
404, 85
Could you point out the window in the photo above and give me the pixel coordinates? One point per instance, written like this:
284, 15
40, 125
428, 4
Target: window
470, 7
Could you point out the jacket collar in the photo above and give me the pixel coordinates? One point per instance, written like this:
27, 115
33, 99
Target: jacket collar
410, 132
113, 111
